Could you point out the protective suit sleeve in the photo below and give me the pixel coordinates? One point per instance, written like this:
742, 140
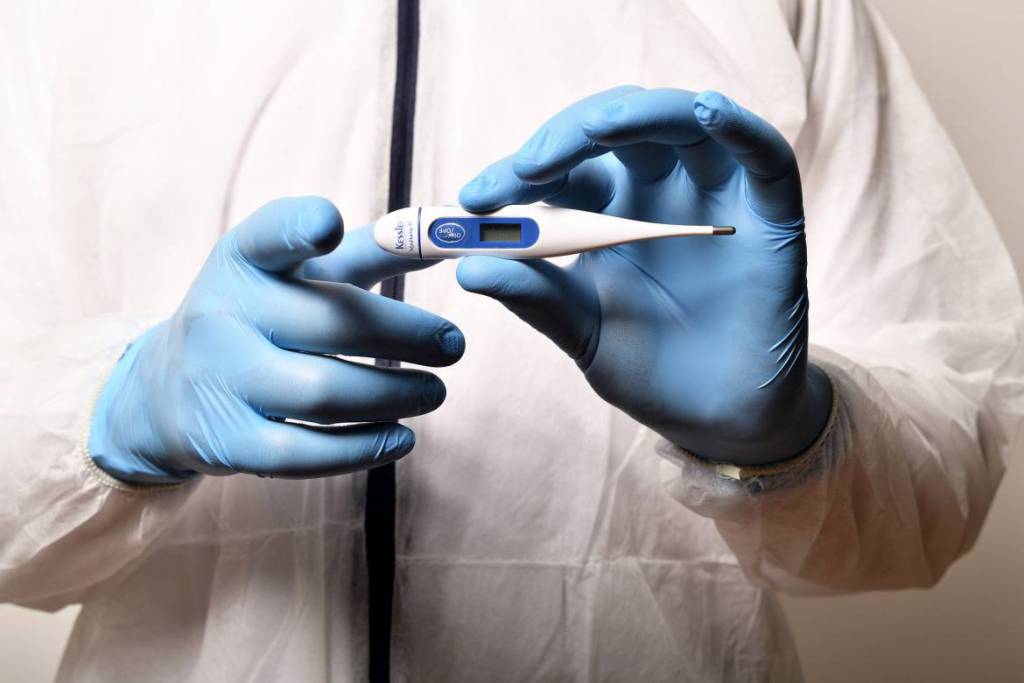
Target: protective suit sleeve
915, 315
64, 524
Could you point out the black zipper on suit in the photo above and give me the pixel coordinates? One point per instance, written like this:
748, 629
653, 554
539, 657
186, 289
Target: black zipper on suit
379, 522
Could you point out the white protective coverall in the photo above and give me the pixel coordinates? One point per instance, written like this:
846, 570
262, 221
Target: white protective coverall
539, 536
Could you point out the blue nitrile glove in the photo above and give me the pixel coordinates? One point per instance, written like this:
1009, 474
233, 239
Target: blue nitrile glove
703, 339
252, 344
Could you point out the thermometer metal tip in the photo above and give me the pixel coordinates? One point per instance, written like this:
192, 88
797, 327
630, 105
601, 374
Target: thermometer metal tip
523, 232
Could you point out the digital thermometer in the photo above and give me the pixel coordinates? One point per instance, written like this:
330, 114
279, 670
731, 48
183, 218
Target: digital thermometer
534, 231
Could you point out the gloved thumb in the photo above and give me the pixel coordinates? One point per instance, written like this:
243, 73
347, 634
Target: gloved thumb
553, 300
283, 233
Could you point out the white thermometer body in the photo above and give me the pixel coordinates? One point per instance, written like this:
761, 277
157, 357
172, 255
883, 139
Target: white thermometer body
522, 232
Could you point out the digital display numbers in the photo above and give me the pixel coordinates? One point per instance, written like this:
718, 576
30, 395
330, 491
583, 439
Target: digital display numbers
501, 232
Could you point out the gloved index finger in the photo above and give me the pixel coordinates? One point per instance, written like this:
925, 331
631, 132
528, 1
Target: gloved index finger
560, 144
587, 187
331, 318
360, 261
769, 163
634, 126
662, 115
498, 185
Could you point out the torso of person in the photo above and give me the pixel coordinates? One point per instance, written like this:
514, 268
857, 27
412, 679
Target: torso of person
534, 539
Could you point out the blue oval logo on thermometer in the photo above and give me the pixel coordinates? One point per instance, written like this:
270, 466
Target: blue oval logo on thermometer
450, 233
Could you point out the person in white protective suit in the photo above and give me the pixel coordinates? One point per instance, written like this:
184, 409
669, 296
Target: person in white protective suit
540, 531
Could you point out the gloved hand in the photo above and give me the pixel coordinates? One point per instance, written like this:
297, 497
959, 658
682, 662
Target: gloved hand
207, 390
703, 339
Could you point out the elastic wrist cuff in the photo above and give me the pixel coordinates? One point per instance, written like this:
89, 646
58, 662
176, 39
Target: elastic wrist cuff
94, 470
757, 478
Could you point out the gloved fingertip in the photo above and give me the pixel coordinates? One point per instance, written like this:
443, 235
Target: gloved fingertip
711, 108
433, 393
398, 442
476, 274
602, 121
479, 194
321, 223
453, 342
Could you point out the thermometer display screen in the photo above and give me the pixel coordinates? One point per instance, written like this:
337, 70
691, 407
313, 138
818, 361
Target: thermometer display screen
501, 232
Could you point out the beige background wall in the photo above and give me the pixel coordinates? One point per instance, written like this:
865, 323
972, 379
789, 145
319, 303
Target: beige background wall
969, 59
